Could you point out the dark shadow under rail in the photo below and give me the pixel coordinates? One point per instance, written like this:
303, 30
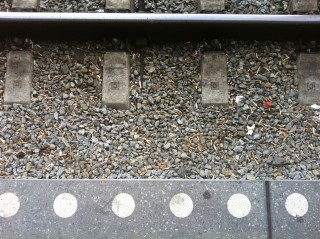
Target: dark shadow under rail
159, 26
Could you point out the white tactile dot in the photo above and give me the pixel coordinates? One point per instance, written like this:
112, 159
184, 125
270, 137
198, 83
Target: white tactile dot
65, 205
181, 205
9, 205
239, 205
296, 205
123, 205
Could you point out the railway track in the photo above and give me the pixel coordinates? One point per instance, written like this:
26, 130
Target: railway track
160, 26
186, 97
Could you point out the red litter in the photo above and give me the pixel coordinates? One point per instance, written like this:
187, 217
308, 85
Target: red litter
268, 103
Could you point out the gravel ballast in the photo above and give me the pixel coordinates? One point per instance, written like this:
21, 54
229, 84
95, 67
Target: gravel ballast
66, 133
164, 6
231, 6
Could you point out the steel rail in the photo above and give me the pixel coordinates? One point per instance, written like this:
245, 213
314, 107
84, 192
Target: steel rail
159, 26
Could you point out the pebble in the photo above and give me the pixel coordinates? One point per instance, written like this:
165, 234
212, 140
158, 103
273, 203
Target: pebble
184, 155
65, 69
238, 149
60, 171
256, 136
28, 166
182, 172
21, 154
250, 177
278, 161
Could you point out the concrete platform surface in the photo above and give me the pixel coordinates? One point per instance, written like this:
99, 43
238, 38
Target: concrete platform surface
295, 209
132, 209
159, 209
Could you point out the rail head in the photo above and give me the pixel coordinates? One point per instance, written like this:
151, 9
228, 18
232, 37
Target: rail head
157, 26
159, 17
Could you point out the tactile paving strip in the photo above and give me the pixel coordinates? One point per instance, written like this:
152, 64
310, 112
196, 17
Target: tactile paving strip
156, 209
295, 209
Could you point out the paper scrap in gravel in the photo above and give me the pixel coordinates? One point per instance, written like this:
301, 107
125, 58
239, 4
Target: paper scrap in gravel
250, 129
316, 107
239, 98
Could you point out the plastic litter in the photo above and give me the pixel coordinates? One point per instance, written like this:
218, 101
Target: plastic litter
268, 104
316, 107
239, 98
250, 129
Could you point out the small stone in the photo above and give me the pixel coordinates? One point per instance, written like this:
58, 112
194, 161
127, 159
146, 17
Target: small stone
21, 154
182, 172
208, 166
238, 149
250, 177
28, 166
279, 161
167, 145
108, 128
158, 99
107, 172
184, 156
316, 172
151, 69
85, 174
60, 171
65, 69
84, 106
297, 176
256, 136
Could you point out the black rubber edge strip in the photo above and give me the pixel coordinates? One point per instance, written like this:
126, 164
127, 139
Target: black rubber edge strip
268, 204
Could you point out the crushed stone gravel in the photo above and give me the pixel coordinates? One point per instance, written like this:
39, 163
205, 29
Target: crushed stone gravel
66, 133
